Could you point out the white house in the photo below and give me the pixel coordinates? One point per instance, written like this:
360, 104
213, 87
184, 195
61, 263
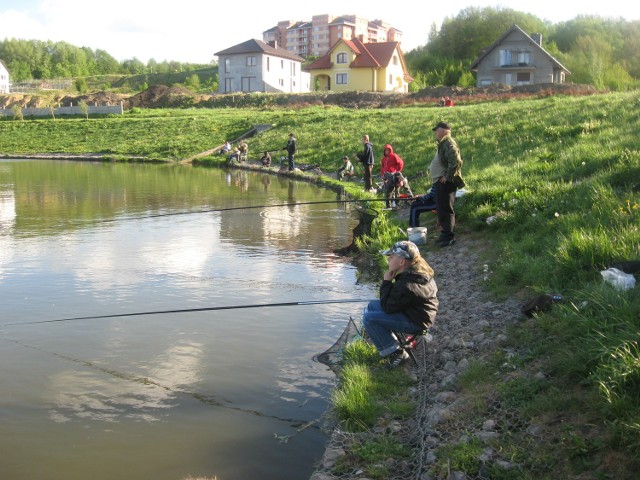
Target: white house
4, 78
254, 66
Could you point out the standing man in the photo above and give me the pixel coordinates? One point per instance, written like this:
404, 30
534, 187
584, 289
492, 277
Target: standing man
446, 172
366, 158
291, 148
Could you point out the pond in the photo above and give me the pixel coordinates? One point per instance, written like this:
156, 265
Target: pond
199, 390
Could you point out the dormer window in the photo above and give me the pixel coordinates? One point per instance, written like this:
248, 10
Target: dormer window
341, 58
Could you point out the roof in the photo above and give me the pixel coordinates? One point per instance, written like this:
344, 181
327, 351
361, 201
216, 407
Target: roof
368, 55
258, 46
515, 28
2, 63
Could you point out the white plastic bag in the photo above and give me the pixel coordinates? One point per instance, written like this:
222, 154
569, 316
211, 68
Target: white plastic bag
619, 279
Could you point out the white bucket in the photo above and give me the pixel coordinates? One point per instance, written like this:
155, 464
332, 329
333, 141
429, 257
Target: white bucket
417, 235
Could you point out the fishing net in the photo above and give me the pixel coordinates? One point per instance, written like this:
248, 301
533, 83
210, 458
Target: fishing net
332, 357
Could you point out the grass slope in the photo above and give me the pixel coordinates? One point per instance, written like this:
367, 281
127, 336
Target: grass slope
561, 178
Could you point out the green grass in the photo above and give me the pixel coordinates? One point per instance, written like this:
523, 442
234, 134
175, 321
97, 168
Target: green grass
561, 176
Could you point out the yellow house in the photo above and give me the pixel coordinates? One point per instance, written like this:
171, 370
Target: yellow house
351, 65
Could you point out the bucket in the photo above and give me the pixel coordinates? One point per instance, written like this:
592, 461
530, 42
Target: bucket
417, 235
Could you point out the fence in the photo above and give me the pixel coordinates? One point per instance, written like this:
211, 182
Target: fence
70, 110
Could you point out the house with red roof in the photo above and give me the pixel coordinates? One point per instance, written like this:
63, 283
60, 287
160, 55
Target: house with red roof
254, 66
351, 65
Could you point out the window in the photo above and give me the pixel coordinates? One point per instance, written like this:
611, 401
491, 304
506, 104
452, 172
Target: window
268, 63
523, 77
341, 58
248, 84
390, 79
505, 58
342, 78
282, 64
281, 82
227, 65
228, 85
524, 58
251, 61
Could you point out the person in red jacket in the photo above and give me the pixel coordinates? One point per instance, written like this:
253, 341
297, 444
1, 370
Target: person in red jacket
391, 162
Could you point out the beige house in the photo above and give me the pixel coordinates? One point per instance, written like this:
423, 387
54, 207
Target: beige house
518, 59
254, 66
4, 78
352, 65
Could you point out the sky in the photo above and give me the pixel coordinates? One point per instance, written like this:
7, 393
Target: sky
192, 31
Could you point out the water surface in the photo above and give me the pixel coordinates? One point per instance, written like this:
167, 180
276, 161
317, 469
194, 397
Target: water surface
211, 393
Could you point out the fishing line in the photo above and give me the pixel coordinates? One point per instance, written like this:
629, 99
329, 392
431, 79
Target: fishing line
146, 381
201, 309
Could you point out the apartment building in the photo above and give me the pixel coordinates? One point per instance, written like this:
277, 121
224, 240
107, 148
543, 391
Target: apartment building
316, 37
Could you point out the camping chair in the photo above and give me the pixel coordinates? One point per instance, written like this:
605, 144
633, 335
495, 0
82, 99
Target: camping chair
409, 342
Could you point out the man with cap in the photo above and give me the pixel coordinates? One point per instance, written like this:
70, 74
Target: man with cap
408, 301
446, 172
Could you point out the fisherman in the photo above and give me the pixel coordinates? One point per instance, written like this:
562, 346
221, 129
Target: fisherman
346, 170
266, 159
292, 149
408, 301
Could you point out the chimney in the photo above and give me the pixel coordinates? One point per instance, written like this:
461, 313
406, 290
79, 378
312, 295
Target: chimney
273, 43
537, 37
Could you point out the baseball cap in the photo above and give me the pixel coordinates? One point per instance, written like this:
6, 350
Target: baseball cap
404, 249
444, 125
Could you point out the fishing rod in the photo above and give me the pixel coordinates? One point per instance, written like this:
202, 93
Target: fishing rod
249, 207
201, 309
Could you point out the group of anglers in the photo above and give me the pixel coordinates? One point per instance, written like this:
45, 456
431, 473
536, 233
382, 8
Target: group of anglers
241, 152
408, 301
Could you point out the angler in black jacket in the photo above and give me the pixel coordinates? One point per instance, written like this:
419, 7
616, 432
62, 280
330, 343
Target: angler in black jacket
408, 301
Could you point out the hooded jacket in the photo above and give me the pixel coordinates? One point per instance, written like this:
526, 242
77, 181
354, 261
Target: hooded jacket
413, 294
390, 163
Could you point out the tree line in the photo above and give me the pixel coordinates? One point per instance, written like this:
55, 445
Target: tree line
604, 52
43, 60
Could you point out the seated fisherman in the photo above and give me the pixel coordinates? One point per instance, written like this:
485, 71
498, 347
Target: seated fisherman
266, 159
423, 203
408, 301
394, 183
346, 170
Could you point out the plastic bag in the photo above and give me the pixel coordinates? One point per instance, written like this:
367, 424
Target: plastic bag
619, 279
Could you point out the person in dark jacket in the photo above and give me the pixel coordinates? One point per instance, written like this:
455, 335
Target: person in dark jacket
408, 301
446, 173
367, 160
291, 148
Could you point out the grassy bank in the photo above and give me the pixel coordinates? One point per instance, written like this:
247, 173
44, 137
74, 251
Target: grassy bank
559, 176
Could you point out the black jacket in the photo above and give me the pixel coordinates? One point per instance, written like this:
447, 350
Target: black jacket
412, 294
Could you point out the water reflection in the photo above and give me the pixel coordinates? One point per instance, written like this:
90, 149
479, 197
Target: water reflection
90, 394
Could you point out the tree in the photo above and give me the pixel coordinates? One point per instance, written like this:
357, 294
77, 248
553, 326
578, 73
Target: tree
84, 108
81, 85
16, 111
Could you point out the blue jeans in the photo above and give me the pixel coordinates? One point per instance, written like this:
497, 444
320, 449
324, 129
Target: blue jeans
379, 326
